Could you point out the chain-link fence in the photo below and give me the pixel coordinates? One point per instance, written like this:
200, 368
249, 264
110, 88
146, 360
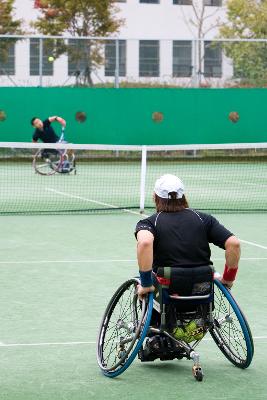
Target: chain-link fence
118, 62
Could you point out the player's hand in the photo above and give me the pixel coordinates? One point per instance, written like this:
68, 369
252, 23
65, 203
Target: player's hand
228, 284
142, 291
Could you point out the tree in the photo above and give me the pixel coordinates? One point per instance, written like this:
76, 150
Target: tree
201, 15
247, 19
8, 26
80, 18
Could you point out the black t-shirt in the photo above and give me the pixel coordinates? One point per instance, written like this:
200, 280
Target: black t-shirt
182, 238
47, 135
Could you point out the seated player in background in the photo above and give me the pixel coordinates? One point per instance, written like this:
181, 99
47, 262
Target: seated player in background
177, 235
44, 131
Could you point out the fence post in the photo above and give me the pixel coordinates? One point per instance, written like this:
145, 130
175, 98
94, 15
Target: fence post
143, 179
41, 48
117, 64
195, 69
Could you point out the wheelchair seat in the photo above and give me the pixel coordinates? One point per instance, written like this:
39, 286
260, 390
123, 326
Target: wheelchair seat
183, 301
186, 283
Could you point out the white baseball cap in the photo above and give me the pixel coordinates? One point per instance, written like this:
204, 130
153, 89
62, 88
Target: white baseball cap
167, 184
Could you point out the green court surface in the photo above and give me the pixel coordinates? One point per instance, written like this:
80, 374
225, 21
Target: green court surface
57, 275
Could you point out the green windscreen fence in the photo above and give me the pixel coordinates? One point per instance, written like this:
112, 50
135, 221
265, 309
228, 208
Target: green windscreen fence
61, 179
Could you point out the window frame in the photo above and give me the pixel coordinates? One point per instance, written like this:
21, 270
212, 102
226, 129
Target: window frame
149, 60
176, 44
122, 58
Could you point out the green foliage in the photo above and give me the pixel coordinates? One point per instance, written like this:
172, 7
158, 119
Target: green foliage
79, 18
8, 26
247, 19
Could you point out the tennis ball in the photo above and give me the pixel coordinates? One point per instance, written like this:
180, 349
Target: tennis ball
50, 59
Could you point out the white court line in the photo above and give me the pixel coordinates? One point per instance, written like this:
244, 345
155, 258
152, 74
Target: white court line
64, 261
91, 201
44, 344
82, 343
107, 261
253, 244
128, 211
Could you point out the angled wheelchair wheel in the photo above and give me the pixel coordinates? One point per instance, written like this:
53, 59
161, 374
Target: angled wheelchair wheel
123, 329
47, 161
230, 330
68, 163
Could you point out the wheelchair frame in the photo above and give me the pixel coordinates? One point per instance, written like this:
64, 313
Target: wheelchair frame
53, 162
50, 161
126, 325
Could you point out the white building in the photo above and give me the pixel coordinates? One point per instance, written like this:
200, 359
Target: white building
158, 42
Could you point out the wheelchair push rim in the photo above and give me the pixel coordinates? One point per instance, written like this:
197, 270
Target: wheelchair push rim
123, 329
230, 330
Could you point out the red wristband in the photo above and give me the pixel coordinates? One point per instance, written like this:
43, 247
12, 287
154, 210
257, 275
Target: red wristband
229, 274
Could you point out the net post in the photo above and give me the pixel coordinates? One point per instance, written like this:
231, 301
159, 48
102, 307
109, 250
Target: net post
143, 179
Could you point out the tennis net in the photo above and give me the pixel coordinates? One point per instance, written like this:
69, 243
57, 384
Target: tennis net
217, 178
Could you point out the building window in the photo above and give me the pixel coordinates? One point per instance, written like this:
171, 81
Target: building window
183, 2
212, 60
7, 57
149, 58
47, 67
110, 58
78, 57
215, 3
149, 1
182, 58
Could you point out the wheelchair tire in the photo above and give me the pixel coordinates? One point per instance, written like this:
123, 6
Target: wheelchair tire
230, 330
47, 166
123, 329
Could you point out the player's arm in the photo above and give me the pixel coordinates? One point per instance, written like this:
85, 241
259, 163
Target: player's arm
232, 257
35, 137
223, 238
58, 119
145, 241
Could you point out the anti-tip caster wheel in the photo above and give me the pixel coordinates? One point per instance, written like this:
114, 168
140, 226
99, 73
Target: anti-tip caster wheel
197, 373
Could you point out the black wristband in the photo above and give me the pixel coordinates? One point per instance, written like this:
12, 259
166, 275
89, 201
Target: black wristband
146, 278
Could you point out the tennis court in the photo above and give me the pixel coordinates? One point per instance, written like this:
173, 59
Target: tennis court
216, 179
57, 274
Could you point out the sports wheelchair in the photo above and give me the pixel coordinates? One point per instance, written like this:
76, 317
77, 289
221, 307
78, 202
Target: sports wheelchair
51, 161
169, 324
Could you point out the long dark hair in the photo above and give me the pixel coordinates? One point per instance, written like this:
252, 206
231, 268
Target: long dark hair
170, 205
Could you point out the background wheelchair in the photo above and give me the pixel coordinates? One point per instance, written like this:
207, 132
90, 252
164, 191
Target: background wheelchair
168, 326
51, 161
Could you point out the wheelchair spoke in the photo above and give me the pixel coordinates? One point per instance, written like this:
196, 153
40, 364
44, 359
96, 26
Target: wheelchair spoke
230, 330
120, 329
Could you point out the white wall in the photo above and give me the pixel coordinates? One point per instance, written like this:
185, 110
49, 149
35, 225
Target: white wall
164, 21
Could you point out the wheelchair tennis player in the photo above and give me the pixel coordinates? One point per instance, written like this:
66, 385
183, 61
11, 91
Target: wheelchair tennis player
178, 236
60, 161
165, 313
